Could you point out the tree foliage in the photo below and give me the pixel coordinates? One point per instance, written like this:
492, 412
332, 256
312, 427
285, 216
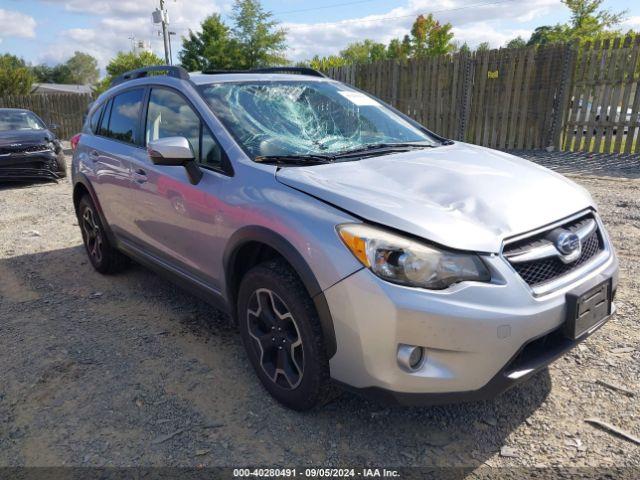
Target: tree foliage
254, 40
83, 68
588, 22
366, 51
261, 41
430, 38
16, 77
212, 48
56, 74
517, 42
125, 61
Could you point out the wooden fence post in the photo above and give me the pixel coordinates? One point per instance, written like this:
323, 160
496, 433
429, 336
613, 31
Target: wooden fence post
562, 99
468, 67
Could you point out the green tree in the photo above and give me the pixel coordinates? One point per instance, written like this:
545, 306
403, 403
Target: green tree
83, 69
517, 42
483, 47
588, 21
440, 40
15, 77
211, 48
464, 48
399, 49
543, 35
260, 40
325, 63
60, 73
366, 51
430, 38
123, 62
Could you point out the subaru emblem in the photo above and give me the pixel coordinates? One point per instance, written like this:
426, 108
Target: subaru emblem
568, 245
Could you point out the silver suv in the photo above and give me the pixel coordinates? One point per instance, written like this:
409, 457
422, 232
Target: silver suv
351, 245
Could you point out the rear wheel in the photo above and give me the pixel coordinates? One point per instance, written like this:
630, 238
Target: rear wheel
103, 256
281, 332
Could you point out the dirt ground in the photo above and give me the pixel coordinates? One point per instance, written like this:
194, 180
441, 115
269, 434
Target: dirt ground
129, 370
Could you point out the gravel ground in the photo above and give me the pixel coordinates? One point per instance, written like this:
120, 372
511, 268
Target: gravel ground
129, 370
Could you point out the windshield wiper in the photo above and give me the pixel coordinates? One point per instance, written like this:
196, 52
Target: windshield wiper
295, 159
382, 148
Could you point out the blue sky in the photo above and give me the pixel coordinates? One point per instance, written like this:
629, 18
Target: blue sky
49, 31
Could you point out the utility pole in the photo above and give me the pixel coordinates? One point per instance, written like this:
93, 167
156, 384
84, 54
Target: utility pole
170, 49
165, 33
160, 16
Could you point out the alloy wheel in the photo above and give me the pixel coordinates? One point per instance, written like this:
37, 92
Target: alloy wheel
93, 235
276, 338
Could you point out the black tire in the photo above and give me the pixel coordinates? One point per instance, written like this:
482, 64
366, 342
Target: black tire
62, 167
102, 255
274, 287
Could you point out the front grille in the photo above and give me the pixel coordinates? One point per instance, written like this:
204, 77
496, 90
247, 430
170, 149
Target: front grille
23, 149
545, 270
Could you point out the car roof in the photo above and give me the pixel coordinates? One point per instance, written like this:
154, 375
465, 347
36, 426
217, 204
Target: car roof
15, 110
205, 78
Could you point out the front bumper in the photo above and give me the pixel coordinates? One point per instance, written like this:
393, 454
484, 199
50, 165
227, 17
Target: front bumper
480, 339
35, 166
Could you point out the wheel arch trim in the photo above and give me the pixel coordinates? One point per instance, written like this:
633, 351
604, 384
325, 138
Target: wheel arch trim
81, 180
285, 249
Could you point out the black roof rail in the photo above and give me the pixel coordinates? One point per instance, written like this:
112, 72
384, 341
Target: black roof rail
171, 71
298, 70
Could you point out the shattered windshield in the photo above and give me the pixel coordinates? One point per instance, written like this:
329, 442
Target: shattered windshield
270, 118
19, 120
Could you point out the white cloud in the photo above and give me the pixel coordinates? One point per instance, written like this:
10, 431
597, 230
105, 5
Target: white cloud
632, 22
117, 20
16, 24
472, 23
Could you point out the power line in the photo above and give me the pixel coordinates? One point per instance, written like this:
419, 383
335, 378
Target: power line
335, 5
376, 19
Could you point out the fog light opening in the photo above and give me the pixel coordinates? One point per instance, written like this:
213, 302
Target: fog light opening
410, 357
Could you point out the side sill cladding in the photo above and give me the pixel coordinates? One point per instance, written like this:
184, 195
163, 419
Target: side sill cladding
281, 245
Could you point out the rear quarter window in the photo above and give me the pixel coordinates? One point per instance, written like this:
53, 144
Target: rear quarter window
95, 118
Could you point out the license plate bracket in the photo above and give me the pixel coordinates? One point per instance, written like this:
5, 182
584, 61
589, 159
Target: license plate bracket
587, 308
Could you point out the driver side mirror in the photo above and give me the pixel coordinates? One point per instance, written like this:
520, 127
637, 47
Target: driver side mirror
175, 152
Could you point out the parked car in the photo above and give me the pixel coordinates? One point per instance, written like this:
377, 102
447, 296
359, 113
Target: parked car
351, 245
29, 150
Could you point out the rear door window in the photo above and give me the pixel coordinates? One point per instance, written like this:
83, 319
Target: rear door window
124, 121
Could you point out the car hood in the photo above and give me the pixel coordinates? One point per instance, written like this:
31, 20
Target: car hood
27, 137
460, 196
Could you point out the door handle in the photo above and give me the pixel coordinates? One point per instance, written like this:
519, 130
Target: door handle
139, 175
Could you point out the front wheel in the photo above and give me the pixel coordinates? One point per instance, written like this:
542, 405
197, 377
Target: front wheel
281, 332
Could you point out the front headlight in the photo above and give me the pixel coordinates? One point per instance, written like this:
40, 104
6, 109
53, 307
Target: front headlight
408, 262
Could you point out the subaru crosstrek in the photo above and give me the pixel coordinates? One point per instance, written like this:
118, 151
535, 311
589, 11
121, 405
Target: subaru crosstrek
352, 246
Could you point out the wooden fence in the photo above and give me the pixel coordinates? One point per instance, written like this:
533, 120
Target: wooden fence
567, 97
511, 99
64, 110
